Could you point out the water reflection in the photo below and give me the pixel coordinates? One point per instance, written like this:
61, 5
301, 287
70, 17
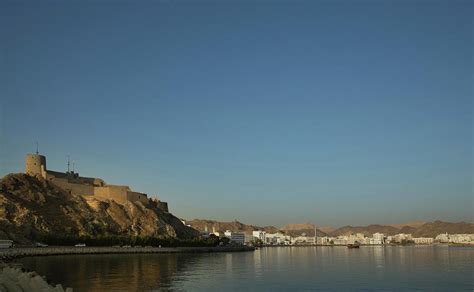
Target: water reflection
301, 268
116, 272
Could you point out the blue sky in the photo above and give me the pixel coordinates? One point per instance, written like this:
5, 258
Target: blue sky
331, 112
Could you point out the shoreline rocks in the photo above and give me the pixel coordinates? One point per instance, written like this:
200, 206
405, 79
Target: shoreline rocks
15, 279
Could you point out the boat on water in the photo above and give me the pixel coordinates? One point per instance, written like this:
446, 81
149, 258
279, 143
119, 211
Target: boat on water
353, 245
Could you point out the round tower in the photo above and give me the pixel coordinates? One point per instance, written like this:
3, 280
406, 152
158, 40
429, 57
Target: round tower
35, 165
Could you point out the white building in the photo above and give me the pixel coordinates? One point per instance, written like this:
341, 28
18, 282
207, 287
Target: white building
455, 238
399, 238
216, 233
277, 239
302, 240
258, 234
377, 238
443, 238
325, 240
340, 240
353, 238
237, 237
423, 240
461, 238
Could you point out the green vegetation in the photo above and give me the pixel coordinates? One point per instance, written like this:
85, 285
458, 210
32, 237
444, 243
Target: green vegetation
70, 240
257, 242
406, 242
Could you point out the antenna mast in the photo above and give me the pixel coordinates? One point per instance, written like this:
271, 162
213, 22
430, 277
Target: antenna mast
37, 152
68, 163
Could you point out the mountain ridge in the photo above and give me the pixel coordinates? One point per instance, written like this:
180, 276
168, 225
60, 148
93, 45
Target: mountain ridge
416, 228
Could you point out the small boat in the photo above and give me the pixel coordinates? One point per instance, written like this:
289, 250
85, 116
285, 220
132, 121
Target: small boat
353, 245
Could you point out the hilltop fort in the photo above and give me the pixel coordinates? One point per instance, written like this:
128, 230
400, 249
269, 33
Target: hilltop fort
73, 183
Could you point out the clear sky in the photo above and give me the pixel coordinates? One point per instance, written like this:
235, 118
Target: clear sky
332, 112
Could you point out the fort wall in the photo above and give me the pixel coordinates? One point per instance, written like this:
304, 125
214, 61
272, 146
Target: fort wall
159, 204
72, 183
116, 193
72, 188
162, 205
134, 197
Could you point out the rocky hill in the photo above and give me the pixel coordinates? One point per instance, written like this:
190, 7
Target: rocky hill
414, 224
290, 229
366, 230
298, 229
416, 228
202, 224
30, 207
430, 229
297, 226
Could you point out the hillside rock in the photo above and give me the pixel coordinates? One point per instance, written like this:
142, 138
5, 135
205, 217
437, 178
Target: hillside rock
29, 207
297, 229
202, 224
297, 226
366, 230
414, 224
430, 229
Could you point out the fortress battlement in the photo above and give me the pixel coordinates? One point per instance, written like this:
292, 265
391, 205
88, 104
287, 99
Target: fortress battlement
73, 183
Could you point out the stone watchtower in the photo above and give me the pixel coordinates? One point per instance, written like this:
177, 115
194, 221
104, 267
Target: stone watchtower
35, 165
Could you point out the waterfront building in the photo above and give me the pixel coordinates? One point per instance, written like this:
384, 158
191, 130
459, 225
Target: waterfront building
365, 240
248, 239
461, 238
277, 238
237, 237
340, 240
423, 240
401, 237
442, 238
325, 240
259, 234
377, 238
455, 238
302, 240
353, 238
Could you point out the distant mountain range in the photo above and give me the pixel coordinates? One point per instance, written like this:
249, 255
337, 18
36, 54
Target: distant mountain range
429, 229
416, 228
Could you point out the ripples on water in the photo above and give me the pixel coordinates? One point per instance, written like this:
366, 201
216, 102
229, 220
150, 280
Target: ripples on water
434, 268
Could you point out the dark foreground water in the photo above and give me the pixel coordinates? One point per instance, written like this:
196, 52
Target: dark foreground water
433, 268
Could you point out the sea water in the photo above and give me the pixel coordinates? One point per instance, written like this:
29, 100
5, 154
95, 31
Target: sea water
369, 268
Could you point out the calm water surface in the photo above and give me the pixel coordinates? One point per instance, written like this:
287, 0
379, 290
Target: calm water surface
433, 268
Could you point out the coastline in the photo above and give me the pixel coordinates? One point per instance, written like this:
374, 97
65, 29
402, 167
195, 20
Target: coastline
369, 245
10, 254
13, 278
